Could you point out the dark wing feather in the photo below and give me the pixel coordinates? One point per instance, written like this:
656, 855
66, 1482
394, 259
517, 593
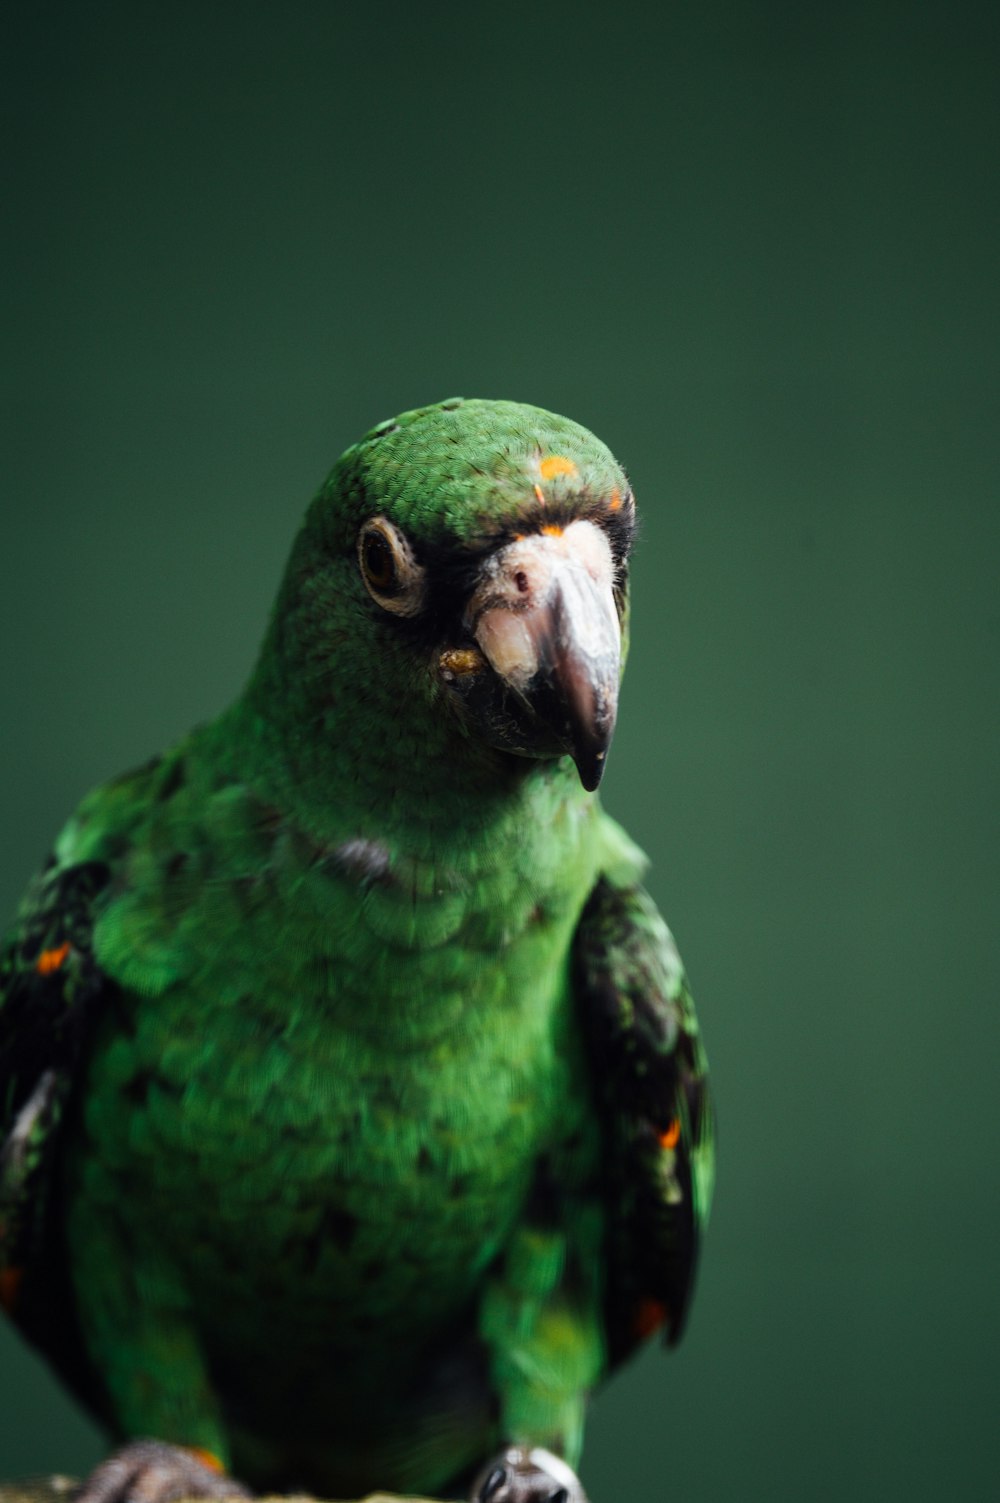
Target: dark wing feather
651, 1087
52, 994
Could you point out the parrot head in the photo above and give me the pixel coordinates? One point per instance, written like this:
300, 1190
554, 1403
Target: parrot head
466, 565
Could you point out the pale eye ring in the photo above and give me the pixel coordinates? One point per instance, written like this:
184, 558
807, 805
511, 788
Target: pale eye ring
392, 576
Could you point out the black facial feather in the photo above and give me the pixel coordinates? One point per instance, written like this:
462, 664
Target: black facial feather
452, 566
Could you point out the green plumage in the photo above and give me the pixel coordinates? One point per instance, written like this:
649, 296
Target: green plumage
350, 1180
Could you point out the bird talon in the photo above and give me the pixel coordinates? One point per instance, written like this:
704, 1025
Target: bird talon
528, 1476
151, 1471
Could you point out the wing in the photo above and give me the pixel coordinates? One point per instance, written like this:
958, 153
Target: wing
52, 994
651, 1086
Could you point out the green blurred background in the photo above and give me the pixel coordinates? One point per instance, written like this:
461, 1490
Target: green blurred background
754, 247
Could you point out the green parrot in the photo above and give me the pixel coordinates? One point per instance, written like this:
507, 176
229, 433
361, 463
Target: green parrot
354, 1115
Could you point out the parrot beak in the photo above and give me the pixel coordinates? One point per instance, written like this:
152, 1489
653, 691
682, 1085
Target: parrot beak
544, 617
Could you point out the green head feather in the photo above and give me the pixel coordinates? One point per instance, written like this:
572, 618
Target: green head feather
462, 471
352, 683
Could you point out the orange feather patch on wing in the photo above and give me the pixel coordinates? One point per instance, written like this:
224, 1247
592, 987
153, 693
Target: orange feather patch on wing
649, 1317
10, 1283
51, 960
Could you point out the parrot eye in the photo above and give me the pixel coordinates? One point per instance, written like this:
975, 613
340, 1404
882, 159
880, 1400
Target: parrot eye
392, 576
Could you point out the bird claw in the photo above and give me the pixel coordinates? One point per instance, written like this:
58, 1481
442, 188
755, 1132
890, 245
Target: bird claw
528, 1476
150, 1471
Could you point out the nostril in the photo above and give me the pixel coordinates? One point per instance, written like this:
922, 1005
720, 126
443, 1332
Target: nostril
521, 581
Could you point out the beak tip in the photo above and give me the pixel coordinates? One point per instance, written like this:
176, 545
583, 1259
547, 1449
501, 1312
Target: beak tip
590, 764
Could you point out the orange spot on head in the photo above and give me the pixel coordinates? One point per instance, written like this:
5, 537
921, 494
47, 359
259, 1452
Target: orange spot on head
539, 495
671, 1137
10, 1282
649, 1317
616, 499
207, 1458
553, 529
51, 960
556, 464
